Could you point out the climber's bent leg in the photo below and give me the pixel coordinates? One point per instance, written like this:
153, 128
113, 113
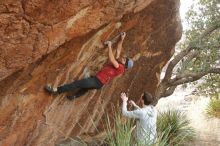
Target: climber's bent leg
78, 94
88, 83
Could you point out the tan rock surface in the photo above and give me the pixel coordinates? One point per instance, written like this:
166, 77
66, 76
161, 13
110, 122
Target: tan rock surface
44, 41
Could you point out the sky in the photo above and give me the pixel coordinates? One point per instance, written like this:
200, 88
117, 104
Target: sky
184, 7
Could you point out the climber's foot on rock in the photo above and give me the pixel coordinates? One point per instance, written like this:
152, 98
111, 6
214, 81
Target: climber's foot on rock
50, 89
71, 97
108, 43
123, 34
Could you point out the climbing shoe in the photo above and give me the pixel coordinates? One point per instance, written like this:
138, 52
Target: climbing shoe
108, 43
50, 89
123, 34
71, 97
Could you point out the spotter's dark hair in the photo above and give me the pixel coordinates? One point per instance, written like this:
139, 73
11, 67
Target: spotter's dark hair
148, 99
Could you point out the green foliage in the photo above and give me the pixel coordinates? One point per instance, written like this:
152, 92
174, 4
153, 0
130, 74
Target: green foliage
211, 87
119, 132
174, 127
213, 108
202, 15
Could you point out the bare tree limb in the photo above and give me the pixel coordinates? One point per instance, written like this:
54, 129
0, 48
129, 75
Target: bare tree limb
174, 62
190, 56
183, 53
191, 77
169, 91
208, 31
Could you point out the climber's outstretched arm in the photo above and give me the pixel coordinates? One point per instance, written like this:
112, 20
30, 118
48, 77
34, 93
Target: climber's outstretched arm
119, 45
111, 55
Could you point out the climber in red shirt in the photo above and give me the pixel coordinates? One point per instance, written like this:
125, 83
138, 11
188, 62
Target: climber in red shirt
116, 67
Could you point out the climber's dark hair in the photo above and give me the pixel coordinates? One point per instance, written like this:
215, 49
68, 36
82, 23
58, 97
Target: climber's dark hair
148, 99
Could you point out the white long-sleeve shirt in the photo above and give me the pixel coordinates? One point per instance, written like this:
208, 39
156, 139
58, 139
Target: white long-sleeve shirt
146, 122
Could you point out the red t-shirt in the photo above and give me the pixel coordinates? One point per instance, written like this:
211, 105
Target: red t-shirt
109, 72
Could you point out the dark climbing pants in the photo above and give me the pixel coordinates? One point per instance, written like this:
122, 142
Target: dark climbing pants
84, 85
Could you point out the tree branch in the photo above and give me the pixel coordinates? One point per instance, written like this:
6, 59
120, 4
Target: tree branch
169, 91
174, 62
191, 77
189, 58
208, 31
183, 53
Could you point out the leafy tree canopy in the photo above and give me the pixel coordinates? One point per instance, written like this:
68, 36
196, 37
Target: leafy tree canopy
199, 55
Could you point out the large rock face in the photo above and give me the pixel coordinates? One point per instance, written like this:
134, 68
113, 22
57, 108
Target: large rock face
52, 41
